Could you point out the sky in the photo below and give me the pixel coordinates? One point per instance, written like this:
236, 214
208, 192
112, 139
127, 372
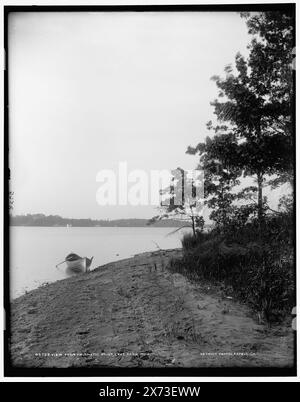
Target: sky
90, 90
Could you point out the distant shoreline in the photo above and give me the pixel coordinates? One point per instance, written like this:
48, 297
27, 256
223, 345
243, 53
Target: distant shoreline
41, 220
99, 226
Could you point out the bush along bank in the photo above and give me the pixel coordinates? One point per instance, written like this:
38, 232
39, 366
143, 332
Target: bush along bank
256, 265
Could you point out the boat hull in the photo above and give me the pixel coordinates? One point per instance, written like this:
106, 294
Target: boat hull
78, 266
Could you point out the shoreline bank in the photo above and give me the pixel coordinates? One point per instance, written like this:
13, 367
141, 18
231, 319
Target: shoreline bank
135, 313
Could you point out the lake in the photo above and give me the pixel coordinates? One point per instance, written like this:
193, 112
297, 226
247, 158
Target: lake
35, 251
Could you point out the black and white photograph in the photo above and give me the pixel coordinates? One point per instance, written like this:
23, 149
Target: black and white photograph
150, 190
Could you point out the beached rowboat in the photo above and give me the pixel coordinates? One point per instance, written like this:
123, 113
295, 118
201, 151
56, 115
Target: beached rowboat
76, 263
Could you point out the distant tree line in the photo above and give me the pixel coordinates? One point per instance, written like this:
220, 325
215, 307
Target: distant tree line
56, 220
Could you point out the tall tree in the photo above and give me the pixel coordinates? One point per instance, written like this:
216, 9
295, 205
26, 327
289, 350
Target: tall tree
256, 101
271, 63
216, 160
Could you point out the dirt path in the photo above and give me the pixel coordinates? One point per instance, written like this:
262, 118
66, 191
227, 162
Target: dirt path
135, 313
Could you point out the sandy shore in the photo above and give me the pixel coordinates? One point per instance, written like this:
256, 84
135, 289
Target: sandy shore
135, 313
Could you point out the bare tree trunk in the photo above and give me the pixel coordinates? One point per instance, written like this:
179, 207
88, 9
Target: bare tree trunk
193, 226
260, 199
193, 222
259, 185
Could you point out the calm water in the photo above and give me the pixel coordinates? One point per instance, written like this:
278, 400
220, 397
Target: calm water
35, 251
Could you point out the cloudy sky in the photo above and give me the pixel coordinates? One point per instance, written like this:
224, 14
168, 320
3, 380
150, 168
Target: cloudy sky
90, 90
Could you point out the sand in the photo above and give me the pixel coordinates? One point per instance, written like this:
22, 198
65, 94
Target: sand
135, 313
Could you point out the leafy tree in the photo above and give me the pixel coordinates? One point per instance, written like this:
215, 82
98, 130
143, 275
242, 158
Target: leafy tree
256, 103
220, 176
271, 63
180, 200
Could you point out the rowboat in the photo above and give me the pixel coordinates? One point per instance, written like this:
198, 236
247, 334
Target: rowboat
77, 264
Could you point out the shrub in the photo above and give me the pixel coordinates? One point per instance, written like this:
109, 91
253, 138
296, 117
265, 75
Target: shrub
260, 271
189, 241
